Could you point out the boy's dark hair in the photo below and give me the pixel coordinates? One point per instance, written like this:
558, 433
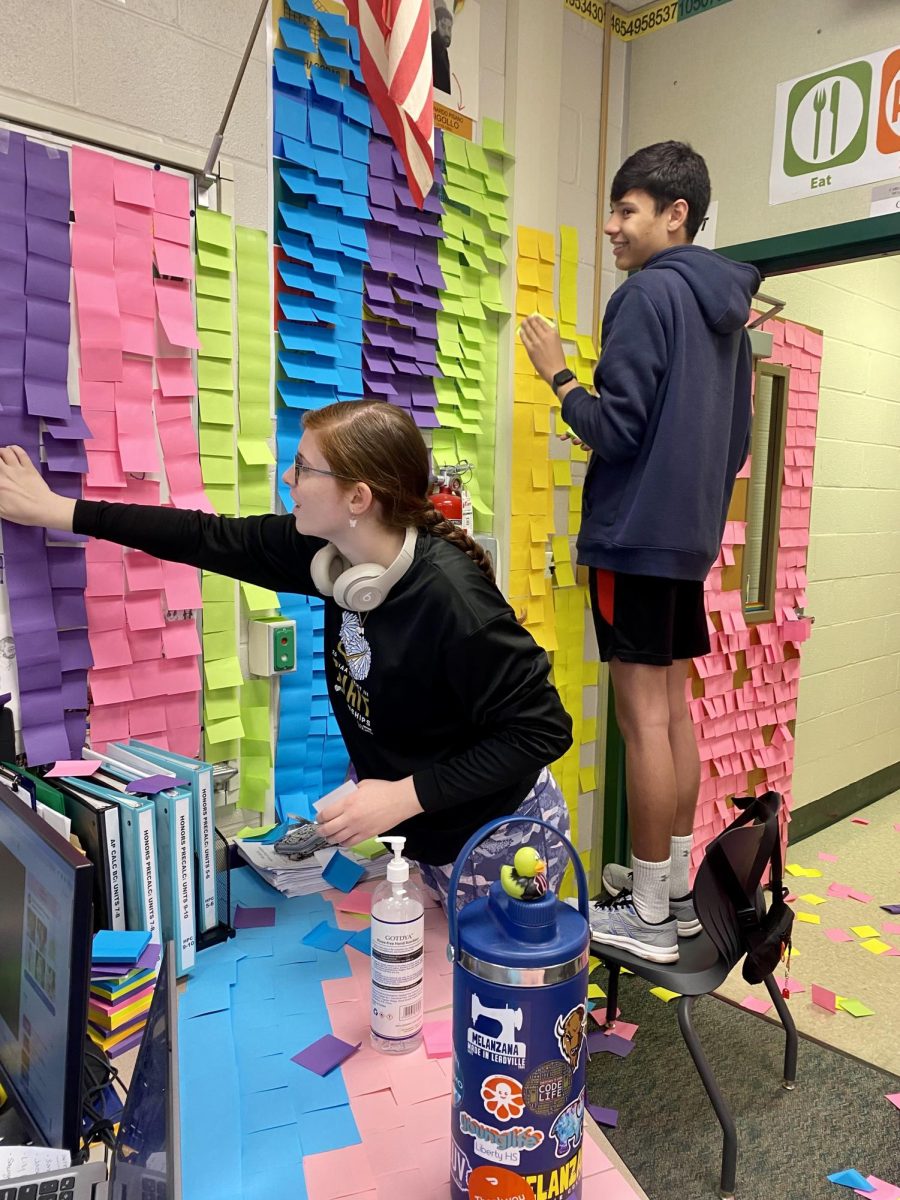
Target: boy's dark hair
667, 171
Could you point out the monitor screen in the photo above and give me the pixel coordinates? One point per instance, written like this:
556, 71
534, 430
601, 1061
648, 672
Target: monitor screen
146, 1161
45, 957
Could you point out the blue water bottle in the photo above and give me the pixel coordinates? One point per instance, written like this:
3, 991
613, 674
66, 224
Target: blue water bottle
519, 1054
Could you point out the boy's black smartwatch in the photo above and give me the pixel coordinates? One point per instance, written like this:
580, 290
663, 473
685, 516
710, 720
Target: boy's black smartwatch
560, 378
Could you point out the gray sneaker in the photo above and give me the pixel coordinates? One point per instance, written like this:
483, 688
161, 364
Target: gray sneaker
617, 879
618, 923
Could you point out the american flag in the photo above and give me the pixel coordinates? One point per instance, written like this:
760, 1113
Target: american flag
395, 50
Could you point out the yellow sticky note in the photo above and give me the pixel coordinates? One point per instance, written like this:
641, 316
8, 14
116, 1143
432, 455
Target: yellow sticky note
664, 994
809, 918
864, 931
562, 472
875, 945
855, 1008
593, 963
811, 899
595, 992
803, 872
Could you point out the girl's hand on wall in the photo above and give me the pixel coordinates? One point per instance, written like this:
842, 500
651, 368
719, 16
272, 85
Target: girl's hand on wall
375, 807
25, 497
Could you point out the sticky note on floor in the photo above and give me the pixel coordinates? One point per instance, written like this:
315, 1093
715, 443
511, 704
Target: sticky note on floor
875, 945
808, 918
438, 1037
342, 873
756, 1004
664, 994
864, 931
855, 1008
362, 941
325, 1054
823, 998
810, 898
253, 918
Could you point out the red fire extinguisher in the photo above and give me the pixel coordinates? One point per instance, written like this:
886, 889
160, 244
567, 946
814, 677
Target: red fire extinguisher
448, 502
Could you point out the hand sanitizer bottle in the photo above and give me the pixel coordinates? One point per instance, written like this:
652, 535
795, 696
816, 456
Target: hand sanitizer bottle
398, 958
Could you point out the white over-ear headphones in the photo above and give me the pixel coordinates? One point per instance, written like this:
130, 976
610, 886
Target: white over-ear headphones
363, 587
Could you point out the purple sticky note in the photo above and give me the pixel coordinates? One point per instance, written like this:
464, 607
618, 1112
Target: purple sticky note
325, 1054
154, 784
599, 1042
891, 908
604, 1116
253, 918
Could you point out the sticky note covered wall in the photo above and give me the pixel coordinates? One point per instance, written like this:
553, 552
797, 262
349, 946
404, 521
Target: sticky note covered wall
743, 694
475, 226
136, 383
321, 151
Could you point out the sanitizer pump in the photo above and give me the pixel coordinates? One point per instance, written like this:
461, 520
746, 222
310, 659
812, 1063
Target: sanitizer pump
398, 958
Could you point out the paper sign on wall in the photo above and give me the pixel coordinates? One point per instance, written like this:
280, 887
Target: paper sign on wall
837, 128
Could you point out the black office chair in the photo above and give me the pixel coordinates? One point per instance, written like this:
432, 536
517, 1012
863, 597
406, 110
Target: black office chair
705, 961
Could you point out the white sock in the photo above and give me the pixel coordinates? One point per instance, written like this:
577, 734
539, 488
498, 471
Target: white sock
650, 889
681, 863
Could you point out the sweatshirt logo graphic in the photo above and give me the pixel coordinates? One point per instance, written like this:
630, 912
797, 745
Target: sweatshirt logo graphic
357, 650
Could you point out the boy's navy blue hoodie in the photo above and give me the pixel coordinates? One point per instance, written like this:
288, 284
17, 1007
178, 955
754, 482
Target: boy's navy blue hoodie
670, 426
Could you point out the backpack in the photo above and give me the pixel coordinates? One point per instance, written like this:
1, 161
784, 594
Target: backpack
767, 934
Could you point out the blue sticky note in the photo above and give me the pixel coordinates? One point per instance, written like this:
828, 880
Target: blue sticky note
296, 36
327, 937
290, 114
362, 940
342, 873
335, 54
356, 107
324, 129
851, 1179
334, 24
119, 946
265, 1110
328, 1129
291, 70
327, 84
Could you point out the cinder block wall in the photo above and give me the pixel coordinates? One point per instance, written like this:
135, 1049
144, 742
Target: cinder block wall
160, 67
848, 720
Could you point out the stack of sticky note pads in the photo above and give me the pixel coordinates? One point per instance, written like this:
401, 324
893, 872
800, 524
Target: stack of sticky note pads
124, 965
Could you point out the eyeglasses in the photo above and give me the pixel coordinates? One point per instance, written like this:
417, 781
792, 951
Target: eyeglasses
303, 468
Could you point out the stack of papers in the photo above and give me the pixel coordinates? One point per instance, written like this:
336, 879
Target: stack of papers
305, 877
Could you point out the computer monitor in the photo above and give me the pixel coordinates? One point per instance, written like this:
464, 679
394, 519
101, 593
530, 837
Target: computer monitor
147, 1158
45, 963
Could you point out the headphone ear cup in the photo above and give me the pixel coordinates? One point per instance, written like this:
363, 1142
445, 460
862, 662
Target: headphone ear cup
326, 567
359, 588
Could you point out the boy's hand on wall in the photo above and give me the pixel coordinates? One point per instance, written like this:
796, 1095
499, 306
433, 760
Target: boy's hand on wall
544, 347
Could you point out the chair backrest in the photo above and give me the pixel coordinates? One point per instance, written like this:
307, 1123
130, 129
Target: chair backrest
748, 845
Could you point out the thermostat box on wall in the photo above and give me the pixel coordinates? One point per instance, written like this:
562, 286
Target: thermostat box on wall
272, 646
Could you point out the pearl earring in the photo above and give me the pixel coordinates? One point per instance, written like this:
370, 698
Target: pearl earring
353, 522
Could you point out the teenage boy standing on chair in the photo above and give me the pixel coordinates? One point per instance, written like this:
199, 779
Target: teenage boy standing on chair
669, 429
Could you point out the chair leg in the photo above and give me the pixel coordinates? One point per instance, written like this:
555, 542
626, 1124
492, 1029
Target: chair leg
720, 1105
790, 1034
612, 995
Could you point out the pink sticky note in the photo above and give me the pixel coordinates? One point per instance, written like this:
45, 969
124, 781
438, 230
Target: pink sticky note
897, 826
358, 903
794, 986
338, 1173
438, 1037
416, 1079
862, 897
376, 1112
890, 927
77, 767
837, 935
823, 998
894, 1098
883, 1189
859, 821
756, 1004
827, 857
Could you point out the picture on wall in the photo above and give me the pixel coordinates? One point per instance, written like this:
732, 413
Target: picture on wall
455, 38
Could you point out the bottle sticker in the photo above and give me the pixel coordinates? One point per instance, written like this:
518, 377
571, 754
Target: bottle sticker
569, 1030
503, 1097
492, 1034
566, 1129
547, 1088
398, 955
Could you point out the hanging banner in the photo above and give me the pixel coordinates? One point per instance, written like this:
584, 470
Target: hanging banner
837, 128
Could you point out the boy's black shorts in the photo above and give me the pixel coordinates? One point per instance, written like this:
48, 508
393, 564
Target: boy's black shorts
647, 619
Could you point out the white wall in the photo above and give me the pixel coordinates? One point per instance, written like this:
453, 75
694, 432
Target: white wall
711, 81
162, 68
848, 713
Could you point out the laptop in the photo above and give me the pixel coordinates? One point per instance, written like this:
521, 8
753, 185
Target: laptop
146, 1161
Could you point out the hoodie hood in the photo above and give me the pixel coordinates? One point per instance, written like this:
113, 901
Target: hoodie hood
723, 289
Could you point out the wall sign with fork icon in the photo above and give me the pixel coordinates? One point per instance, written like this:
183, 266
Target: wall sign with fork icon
828, 119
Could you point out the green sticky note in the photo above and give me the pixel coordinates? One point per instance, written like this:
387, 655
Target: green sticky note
213, 313
219, 645
258, 599
250, 831
212, 258
256, 722
223, 498
455, 151
215, 373
216, 408
225, 672
255, 452
220, 731
218, 616
216, 588
855, 1008
477, 158
371, 848
214, 228
218, 470
214, 343
213, 283
217, 440
224, 703
493, 137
